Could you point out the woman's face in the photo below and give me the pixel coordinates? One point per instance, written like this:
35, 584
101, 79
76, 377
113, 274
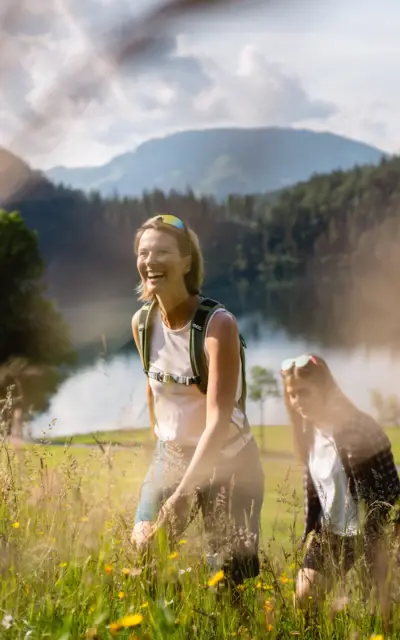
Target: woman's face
159, 261
305, 397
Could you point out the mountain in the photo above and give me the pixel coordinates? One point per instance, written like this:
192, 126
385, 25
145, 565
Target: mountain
16, 177
220, 162
337, 233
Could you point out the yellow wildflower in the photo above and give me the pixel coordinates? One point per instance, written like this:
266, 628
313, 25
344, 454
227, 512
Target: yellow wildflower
121, 595
240, 587
144, 605
63, 564
269, 627
15, 525
114, 627
377, 637
125, 571
283, 579
268, 587
259, 585
108, 568
268, 605
131, 620
173, 555
182, 542
217, 577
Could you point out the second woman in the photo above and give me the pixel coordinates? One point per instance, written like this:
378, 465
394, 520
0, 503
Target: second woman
348, 462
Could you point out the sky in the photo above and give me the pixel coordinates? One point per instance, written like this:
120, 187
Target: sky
82, 82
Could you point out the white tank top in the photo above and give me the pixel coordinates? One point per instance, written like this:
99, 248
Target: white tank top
180, 410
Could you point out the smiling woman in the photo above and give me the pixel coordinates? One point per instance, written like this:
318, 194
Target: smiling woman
206, 457
158, 243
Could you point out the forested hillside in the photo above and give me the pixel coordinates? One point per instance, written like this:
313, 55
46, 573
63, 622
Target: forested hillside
340, 230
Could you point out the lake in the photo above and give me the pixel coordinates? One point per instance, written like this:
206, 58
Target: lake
110, 393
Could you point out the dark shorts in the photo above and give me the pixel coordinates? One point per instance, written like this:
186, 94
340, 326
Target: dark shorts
230, 505
328, 553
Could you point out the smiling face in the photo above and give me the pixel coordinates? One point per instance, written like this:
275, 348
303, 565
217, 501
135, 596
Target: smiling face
161, 266
305, 398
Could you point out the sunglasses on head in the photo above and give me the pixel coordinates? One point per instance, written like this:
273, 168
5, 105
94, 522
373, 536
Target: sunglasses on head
170, 220
299, 363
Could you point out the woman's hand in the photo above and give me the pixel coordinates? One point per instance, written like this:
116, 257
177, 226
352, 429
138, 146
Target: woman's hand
173, 514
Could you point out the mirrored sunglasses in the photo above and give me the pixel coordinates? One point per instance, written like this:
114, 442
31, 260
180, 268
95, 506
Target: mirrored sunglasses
299, 362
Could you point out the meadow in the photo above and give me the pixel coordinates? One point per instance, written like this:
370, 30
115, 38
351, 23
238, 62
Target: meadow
68, 569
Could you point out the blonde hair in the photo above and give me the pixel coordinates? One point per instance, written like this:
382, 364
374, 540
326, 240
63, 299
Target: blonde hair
189, 245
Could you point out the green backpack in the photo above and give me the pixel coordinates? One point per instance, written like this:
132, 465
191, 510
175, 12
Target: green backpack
198, 329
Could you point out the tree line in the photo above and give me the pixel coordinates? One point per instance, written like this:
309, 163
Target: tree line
321, 256
330, 227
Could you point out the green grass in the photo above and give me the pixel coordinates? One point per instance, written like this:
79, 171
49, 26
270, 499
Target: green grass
68, 569
278, 439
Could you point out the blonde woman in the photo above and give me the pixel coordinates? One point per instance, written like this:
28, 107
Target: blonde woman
192, 354
347, 460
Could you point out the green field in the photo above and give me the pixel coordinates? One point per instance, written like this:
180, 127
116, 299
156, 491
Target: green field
278, 439
68, 569
131, 459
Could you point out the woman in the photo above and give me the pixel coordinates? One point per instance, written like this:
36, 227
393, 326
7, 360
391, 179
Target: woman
205, 452
347, 461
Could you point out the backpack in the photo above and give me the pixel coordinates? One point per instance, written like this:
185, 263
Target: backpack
198, 328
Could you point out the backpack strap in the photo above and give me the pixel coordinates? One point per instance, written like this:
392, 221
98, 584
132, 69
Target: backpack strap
197, 356
198, 331
242, 399
144, 331
144, 342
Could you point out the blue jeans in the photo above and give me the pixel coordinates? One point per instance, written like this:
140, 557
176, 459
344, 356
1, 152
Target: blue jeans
230, 504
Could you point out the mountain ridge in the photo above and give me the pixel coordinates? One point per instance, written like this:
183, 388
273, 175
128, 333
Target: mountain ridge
226, 160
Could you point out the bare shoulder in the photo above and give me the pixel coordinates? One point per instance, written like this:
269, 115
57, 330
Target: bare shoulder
223, 325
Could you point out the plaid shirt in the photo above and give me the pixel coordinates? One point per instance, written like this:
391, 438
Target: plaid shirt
367, 458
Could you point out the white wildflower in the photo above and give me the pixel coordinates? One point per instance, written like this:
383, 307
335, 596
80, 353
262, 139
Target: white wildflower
7, 621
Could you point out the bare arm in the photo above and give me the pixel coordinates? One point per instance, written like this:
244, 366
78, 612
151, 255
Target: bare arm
150, 399
222, 345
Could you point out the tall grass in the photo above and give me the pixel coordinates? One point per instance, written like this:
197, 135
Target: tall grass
68, 569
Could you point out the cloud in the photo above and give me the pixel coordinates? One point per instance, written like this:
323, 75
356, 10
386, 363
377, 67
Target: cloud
187, 92
98, 106
260, 92
163, 61
30, 38
23, 17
